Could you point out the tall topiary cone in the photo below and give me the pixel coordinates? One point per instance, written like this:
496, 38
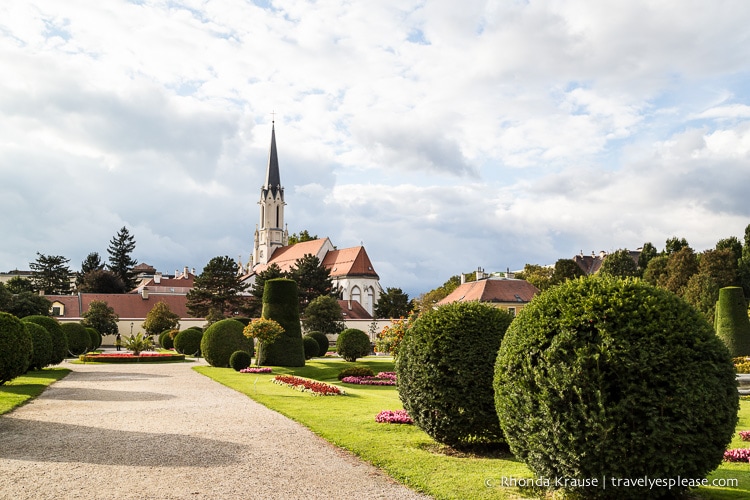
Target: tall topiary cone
281, 304
732, 323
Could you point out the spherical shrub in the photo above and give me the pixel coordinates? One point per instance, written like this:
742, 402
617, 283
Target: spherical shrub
59, 340
96, 338
165, 339
356, 371
16, 348
221, 339
188, 342
352, 344
79, 340
445, 367
42, 344
322, 340
239, 360
604, 377
311, 347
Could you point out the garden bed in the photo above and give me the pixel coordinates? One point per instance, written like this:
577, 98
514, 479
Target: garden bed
126, 357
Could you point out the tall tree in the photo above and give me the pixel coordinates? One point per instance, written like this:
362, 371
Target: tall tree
101, 317
324, 314
18, 298
565, 269
92, 262
648, 252
393, 303
313, 280
719, 265
680, 267
743, 266
102, 281
674, 245
732, 243
656, 270
256, 291
539, 276
51, 274
160, 318
121, 262
19, 285
619, 264
303, 235
217, 290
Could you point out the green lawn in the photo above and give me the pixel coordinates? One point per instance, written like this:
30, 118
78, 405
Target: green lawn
21, 389
403, 451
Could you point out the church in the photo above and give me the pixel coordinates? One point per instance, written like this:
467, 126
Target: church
350, 268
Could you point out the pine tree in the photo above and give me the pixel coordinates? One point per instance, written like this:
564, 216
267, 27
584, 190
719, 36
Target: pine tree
313, 280
121, 263
217, 290
51, 274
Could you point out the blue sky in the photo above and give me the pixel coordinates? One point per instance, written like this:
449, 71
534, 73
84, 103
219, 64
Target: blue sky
444, 135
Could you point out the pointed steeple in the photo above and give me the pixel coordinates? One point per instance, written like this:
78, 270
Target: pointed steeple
273, 178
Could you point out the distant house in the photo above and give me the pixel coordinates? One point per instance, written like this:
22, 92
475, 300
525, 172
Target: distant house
591, 264
506, 293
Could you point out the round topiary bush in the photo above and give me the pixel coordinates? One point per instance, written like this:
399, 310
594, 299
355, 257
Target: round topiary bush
42, 345
165, 339
311, 347
16, 348
239, 360
96, 338
613, 378
59, 340
221, 339
188, 342
731, 322
281, 304
322, 340
352, 344
79, 340
445, 368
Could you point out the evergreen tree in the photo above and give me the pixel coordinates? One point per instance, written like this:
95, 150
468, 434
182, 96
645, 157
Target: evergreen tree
313, 280
303, 235
680, 267
648, 252
102, 281
743, 266
324, 315
256, 291
217, 290
393, 303
51, 274
619, 264
675, 244
565, 269
92, 262
121, 263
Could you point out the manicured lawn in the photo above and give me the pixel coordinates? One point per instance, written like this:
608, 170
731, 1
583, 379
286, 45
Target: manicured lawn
403, 451
21, 389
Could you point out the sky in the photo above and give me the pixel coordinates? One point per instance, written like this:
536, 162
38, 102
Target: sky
442, 135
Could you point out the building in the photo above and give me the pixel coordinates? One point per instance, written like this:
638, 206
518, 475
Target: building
351, 269
509, 294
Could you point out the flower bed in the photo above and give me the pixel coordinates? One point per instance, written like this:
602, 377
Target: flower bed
382, 378
127, 357
394, 417
745, 435
251, 369
306, 385
737, 455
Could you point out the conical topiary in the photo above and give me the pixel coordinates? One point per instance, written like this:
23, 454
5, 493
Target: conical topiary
732, 323
281, 304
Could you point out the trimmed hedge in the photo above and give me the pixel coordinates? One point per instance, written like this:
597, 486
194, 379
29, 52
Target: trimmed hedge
239, 360
16, 348
96, 338
606, 377
732, 323
311, 347
59, 340
353, 343
221, 339
445, 368
188, 342
322, 340
166, 341
41, 341
79, 340
281, 304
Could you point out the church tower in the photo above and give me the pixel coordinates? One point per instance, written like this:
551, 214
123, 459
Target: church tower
271, 232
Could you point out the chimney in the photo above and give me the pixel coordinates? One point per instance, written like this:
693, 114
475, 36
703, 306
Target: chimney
185, 274
144, 293
157, 278
463, 278
192, 271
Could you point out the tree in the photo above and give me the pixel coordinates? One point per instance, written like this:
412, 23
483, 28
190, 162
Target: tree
656, 270
393, 303
648, 252
102, 281
731, 243
324, 315
619, 264
313, 280
160, 318
539, 276
101, 318
674, 245
304, 235
92, 262
20, 285
217, 290
256, 291
743, 266
51, 274
702, 293
721, 265
564, 270
680, 267
427, 301
29, 304
121, 263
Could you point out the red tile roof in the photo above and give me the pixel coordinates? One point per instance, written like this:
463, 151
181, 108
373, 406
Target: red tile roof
126, 305
353, 310
494, 291
352, 261
285, 257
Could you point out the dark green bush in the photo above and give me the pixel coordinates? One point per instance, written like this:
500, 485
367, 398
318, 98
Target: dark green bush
165, 339
606, 377
311, 347
322, 340
281, 304
59, 340
16, 348
221, 339
732, 324
96, 338
188, 342
42, 344
79, 340
239, 360
356, 371
352, 344
445, 367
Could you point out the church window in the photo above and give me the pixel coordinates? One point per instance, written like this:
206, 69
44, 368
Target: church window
356, 294
277, 216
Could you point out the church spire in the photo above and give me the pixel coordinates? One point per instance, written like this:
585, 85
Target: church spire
273, 178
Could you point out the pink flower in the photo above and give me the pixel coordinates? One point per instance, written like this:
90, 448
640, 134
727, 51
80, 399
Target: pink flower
393, 417
737, 455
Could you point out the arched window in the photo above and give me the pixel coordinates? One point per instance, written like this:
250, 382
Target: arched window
370, 300
262, 216
356, 294
277, 216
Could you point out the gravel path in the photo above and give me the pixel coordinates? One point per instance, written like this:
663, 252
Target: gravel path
163, 431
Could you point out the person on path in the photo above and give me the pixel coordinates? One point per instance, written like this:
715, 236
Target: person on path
118, 341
